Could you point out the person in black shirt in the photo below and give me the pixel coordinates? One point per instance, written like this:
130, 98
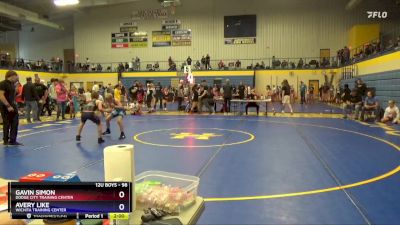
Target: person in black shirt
241, 90
361, 89
189, 61
208, 60
31, 98
346, 93
195, 98
9, 109
252, 96
42, 92
204, 98
158, 95
286, 96
352, 104
133, 92
227, 89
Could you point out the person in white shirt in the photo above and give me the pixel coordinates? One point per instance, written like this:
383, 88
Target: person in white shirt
391, 113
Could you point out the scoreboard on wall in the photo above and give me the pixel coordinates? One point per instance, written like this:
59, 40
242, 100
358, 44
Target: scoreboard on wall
83, 200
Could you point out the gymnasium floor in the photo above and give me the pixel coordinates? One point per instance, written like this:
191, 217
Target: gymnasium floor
253, 170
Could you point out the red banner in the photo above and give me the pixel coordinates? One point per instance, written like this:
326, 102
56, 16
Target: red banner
120, 45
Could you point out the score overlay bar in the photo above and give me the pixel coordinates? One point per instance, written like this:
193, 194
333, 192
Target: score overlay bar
92, 200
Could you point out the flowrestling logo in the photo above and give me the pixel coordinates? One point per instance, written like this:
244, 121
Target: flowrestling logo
377, 14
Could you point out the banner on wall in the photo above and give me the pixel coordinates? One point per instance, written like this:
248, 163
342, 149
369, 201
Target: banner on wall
120, 45
119, 40
181, 37
128, 29
161, 38
138, 39
170, 27
239, 41
150, 14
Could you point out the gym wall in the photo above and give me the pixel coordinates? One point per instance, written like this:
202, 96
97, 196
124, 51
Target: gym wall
285, 28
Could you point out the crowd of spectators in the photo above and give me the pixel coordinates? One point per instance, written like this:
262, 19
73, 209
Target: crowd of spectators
360, 103
343, 57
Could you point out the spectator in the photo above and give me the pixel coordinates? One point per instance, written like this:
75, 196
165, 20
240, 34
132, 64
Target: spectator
197, 65
99, 67
42, 93
391, 113
189, 61
62, 97
73, 102
346, 54
158, 95
221, 65
156, 66
203, 62
286, 96
361, 88
18, 97
303, 91
8, 109
370, 105
238, 64
300, 64
180, 95
252, 96
31, 98
241, 90
195, 98
262, 65
204, 97
170, 61
208, 62
137, 63
227, 92
352, 104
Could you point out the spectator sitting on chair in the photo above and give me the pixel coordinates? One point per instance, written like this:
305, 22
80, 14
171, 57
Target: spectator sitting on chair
370, 105
353, 103
391, 113
252, 96
197, 65
284, 64
221, 65
238, 64
156, 67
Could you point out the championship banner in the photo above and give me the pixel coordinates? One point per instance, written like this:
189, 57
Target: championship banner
161, 38
238, 41
138, 40
181, 37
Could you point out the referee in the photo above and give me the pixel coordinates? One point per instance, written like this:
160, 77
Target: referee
8, 108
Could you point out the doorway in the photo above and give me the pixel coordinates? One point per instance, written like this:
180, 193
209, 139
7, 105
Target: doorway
315, 85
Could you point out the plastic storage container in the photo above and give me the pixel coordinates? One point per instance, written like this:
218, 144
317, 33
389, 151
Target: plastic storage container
163, 190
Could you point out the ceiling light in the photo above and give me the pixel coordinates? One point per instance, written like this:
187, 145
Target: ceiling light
65, 2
